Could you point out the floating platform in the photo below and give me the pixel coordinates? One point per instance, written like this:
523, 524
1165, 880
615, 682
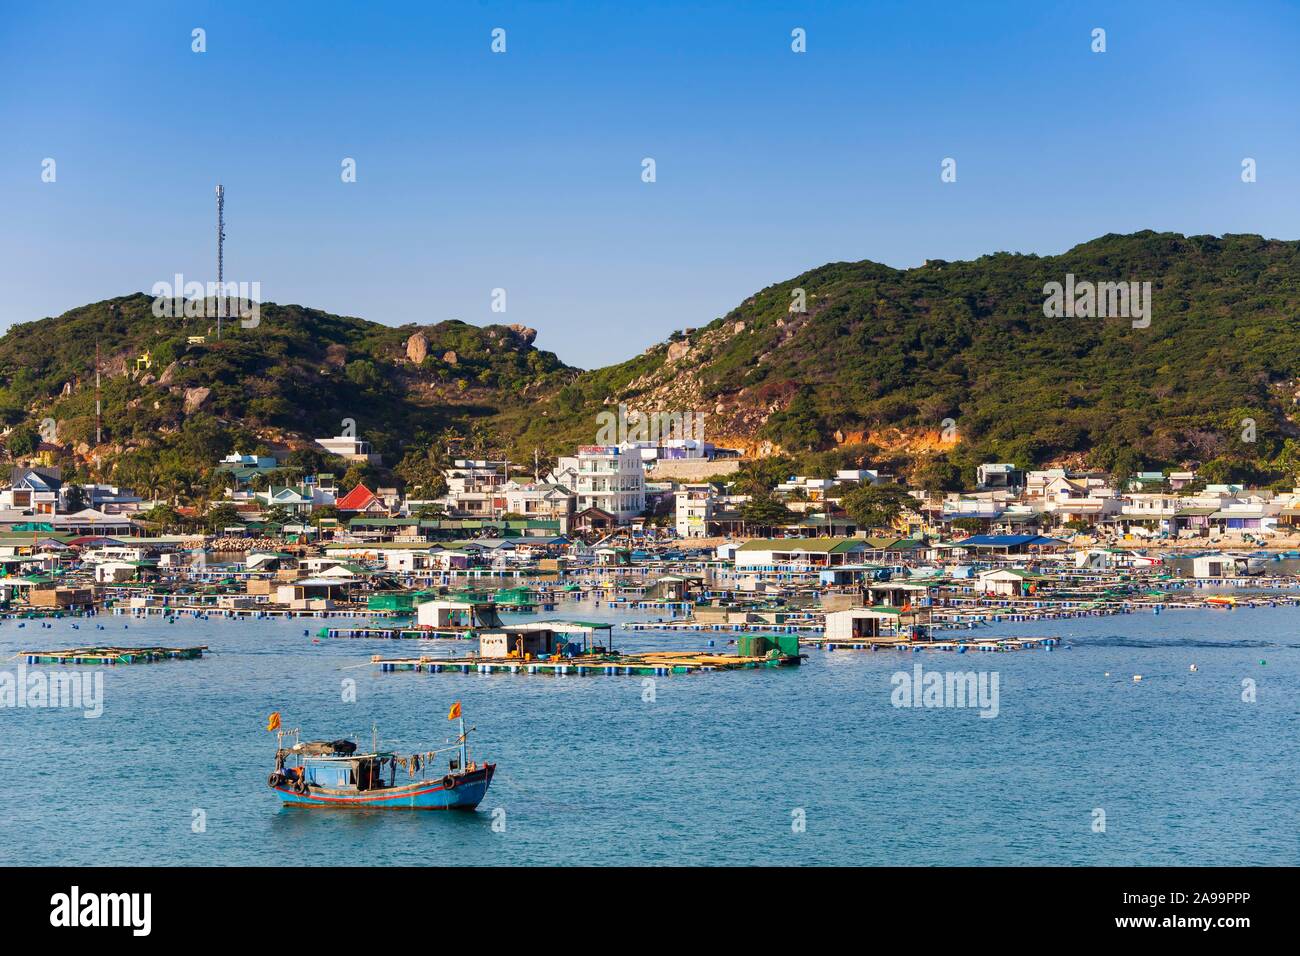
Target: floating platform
956, 646
114, 655
655, 664
413, 633
720, 628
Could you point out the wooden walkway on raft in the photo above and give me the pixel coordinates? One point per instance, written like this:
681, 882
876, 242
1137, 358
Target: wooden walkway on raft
693, 626
114, 655
656, 664
415, 633
262, 612
959, 647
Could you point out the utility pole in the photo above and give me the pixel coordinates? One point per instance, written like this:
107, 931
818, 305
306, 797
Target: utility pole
503, 486
221, 239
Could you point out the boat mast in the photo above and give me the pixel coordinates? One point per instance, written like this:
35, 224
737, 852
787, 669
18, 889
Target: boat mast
464, 754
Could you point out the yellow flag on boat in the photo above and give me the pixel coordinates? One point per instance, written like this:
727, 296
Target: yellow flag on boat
454, 712
273, 722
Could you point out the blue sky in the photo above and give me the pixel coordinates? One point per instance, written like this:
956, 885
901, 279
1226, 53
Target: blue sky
522, 171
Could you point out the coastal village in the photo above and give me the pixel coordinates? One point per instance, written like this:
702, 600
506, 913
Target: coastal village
653, 527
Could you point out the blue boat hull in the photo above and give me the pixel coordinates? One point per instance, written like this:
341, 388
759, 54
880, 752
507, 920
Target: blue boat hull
468, 792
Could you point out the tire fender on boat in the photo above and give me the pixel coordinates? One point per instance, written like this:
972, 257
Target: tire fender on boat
449, 782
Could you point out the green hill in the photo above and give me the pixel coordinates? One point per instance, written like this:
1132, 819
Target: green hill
883, 356
927, 370
299, 374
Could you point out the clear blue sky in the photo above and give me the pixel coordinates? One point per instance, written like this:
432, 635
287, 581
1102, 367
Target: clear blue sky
523, 170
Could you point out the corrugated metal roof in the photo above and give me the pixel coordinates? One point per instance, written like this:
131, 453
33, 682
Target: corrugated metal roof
1004, 540
815, 545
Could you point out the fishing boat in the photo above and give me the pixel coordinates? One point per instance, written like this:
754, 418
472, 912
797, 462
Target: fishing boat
331, 773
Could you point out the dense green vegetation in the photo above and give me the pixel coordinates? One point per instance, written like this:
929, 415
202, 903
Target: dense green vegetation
301, 373
875, 507
881, 348
957, 345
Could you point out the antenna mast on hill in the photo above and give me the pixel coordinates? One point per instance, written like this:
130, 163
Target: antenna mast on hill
98, 433
221, 239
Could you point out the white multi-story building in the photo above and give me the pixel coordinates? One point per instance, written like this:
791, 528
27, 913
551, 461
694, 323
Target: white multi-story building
349, 448
605, 477
999, 475
860, 476
693, 509
477, 487
672, 449
476, 476
540, 500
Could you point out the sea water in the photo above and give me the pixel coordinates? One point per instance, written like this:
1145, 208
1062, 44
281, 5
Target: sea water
807, 765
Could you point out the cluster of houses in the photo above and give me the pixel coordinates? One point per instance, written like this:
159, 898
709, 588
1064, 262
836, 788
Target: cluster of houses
1010, 501
606, 487
1148, 505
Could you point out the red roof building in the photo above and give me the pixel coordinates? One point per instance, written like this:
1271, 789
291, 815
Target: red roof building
359, 498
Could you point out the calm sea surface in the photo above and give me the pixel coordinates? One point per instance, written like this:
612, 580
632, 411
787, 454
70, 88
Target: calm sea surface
714, 770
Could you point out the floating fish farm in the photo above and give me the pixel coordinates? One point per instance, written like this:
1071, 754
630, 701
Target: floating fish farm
755, 652
114, 655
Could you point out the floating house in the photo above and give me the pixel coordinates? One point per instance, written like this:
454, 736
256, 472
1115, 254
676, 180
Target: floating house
1226, 565
458, 614
727, 551
312, 594
897, 594
1007, 582
865, 625
850, 574
797, 553
544, 638
1009, 543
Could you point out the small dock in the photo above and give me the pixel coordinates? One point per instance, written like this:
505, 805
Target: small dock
114, 655
655, 664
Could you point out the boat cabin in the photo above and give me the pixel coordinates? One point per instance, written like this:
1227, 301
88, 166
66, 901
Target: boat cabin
358, 772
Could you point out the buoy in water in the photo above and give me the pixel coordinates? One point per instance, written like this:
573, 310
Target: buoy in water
1136, 678
1193, 668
